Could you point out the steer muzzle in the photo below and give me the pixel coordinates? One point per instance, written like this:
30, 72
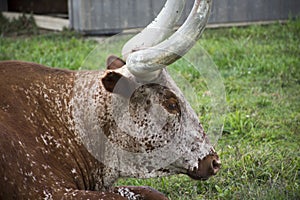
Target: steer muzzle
207, 167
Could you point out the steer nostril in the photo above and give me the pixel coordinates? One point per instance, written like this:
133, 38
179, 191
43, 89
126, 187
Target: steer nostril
208, 166
216, 164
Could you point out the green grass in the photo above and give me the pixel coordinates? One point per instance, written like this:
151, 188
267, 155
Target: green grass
260, 146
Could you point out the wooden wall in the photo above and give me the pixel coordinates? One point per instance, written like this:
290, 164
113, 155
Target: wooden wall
113, 16
110, 16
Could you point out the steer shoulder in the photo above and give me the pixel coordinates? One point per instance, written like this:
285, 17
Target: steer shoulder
39, 153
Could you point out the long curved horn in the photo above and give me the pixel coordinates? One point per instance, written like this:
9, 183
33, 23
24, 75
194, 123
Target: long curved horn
147, 64
158, 30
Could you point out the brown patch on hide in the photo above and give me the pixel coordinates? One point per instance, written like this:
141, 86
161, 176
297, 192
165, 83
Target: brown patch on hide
114, 62
116, 83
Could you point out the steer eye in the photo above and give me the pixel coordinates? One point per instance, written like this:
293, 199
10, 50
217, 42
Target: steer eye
171, 105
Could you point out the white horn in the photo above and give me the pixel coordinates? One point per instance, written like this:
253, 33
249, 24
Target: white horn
147, 64
158, 30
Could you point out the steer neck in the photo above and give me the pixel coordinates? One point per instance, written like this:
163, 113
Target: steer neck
88, 109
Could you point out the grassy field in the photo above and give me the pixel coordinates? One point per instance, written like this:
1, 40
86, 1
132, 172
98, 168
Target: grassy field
260, 146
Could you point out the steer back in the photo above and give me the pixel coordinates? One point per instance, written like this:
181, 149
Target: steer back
37, 147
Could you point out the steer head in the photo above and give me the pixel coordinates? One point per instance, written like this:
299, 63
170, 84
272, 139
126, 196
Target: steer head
153, 131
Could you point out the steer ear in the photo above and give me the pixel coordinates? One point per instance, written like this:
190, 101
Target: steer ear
117, 83
114, 62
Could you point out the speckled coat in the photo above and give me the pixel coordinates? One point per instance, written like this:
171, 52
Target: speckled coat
55, 127
40, 156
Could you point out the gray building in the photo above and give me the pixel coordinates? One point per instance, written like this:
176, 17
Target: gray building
112, 16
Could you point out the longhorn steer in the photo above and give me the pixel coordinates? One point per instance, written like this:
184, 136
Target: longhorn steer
64, 134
